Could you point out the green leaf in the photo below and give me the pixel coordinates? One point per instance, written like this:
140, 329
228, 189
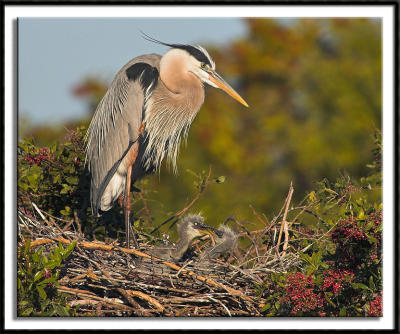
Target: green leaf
37, 276
61, 311
27, 312
35, 258
27, 246
312, 196
44, 304
57, 253
360, 286
266, 307
65, 189
331, 191
371, 239
305, 257
342, 312
41, 291
316, 258
69, 249
32, 178
72, 180
220, 179
51, 264
369, 225
47, 280
328, 299
51, 311
57, 178
23, 186
371, 283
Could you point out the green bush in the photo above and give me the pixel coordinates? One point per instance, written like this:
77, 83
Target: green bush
37, 281
342, 271
56, 179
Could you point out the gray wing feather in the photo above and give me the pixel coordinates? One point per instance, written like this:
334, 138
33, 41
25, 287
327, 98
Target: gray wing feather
115, 124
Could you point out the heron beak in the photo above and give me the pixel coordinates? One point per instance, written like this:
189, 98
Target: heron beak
216, 79
207, 229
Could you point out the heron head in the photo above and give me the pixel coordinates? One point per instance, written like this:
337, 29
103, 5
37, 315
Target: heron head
205, 71
193, 226
196, 60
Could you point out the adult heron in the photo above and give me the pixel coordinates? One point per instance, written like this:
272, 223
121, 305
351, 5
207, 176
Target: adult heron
141, 119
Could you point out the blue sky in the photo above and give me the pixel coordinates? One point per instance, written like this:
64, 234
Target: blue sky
54, 55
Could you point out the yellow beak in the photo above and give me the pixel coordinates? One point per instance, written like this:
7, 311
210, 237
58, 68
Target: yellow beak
216, 79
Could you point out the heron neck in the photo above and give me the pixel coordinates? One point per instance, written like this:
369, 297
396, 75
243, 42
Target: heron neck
180, 248
168, 117
187, 92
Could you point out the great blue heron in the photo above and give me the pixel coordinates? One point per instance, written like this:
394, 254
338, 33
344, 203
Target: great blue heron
190, 228
148, 107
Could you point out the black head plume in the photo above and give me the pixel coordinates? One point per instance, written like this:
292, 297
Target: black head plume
196, 51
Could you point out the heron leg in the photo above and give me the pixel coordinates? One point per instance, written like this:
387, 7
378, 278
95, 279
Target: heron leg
127, 210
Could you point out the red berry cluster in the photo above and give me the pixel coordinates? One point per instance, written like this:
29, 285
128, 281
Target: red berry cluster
300, 294
375, 306
47, 273
335, 279
349, 230
351, 238
77, 161
37, 158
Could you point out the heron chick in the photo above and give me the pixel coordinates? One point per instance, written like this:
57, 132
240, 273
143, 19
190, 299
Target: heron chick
190, 228
226, 240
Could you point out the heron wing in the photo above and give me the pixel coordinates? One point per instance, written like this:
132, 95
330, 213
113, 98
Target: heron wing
117, 120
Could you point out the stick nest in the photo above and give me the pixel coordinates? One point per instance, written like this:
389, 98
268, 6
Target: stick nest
106, 279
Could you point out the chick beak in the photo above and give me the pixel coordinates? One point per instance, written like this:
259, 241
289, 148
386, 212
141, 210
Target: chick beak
212, 231
216, 79
207, 229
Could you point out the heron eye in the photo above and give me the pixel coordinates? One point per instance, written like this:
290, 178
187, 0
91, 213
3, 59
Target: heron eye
203, 66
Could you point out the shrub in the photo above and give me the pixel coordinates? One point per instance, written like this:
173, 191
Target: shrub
37, 276
56, 179
342, 270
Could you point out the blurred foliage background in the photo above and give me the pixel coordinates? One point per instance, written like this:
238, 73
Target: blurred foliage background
314, 91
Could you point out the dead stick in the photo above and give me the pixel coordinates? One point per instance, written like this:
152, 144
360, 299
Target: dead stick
257, 215
283, 222
105, 301
67, 289
147, 298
